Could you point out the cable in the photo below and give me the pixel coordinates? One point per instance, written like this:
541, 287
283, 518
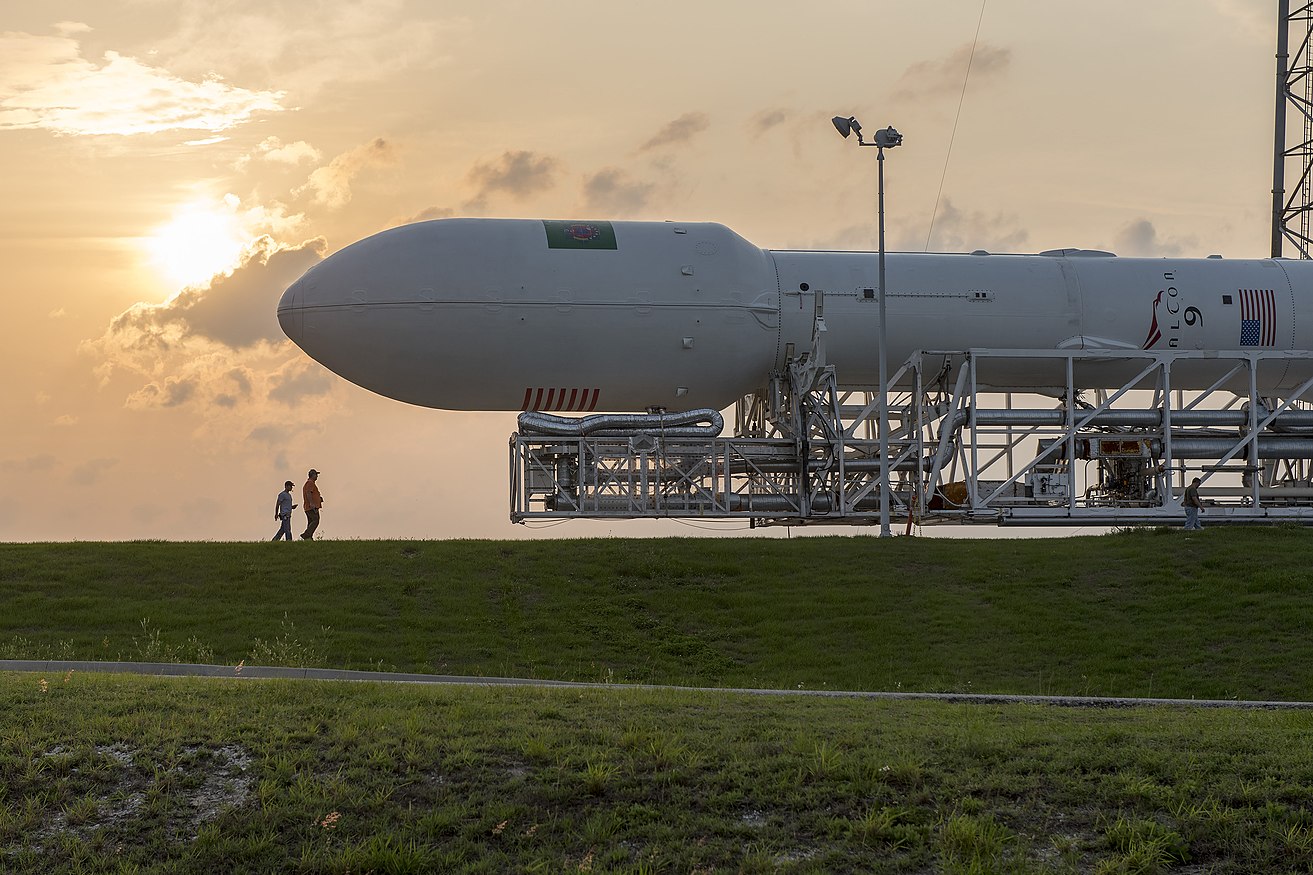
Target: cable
734, 527
953, 136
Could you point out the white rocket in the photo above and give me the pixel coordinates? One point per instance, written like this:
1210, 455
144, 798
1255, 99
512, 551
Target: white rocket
514, 314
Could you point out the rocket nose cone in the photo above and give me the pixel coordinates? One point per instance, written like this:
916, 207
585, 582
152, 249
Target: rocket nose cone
290, 315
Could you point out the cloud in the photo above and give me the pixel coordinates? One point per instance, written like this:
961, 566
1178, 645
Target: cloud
237, 310
330, 186
57, 313
430, 213
958, 231
614, 192
45, 84
1254, 18
30, 465
300, 379
271, 435
764, 121
946, 75
274, 150
171, 392
1140, 238
518, 174
214, 358
309, 48
66, 419
681, 130
89, 471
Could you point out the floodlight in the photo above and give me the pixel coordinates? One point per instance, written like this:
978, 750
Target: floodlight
846, 126
887, 138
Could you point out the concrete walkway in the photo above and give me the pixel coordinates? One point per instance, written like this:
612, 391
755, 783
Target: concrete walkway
165, 669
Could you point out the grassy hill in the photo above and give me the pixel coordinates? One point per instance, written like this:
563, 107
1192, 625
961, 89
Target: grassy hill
1219, 614
143, 775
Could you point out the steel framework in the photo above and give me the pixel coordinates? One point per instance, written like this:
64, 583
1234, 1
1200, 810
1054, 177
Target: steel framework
806, 452
1292, 212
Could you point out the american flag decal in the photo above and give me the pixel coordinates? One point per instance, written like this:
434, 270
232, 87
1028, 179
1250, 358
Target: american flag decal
1258, 317
538, 398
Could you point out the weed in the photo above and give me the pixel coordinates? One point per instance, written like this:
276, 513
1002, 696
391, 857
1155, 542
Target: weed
1143, 847
597, 776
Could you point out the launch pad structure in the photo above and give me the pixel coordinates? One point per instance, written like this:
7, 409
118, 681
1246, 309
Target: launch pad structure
963, 447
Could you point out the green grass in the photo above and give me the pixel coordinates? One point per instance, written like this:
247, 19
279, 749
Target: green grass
142, 775
1218, 614
136, 775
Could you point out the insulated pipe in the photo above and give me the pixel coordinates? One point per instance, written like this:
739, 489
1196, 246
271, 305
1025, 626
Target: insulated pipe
1216, 448
624, 424
1149, 418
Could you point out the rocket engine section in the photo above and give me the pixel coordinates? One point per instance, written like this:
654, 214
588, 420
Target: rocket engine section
514, 314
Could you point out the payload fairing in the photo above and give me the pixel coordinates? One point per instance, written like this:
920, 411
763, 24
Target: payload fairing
514, 314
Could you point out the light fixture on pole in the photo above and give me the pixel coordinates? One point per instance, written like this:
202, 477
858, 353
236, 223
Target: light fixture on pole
886, 138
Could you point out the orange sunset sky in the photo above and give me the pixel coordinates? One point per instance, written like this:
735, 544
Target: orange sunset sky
170, 167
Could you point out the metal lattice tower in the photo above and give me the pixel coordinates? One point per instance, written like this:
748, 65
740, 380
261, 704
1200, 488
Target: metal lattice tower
1292, 213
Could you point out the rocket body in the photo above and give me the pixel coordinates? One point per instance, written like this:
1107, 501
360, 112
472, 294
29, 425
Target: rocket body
517, 314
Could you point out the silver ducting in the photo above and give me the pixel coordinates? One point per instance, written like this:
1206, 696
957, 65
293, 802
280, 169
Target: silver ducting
534, 422
1145, 418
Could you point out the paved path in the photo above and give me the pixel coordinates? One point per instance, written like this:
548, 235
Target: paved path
167, 669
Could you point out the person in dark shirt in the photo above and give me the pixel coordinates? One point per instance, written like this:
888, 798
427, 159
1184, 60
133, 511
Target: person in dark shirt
283, 511
1192, 506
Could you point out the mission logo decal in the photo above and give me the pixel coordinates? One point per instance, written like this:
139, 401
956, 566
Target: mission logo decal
1170, 319
579, 235
1155, 333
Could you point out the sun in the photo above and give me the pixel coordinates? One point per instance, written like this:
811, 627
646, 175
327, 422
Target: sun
198, 242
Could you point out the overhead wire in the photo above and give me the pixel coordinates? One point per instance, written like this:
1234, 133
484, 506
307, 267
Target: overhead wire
953, 136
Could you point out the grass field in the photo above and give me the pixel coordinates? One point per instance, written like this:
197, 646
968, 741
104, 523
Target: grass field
119, 774
147, 775
1218, 614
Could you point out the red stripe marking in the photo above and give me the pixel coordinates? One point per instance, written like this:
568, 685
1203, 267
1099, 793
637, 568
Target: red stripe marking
538, 400
551, 393
592, 405
560, 399
573, 394
528, 393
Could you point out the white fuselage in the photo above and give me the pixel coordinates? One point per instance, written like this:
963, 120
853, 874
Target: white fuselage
512, 314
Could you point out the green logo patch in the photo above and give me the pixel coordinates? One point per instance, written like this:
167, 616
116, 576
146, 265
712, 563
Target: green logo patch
579, 235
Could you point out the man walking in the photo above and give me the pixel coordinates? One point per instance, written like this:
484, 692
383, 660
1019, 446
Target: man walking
1192, 507
283, 511
313, 501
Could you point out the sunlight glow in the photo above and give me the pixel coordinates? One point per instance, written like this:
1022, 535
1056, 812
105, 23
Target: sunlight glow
200, 241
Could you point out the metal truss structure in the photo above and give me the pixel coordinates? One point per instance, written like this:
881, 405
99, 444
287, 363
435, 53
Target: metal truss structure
966, 447
962, 447
1292, 211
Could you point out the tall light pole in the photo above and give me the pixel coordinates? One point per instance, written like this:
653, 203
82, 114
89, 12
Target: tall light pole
886, 138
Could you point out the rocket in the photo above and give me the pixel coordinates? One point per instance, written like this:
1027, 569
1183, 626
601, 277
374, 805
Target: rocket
582, 316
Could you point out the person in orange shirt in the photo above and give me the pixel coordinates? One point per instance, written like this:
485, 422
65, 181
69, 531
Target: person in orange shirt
313, 501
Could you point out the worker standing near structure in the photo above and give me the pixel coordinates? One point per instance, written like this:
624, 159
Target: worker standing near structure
283, 508
1192, 506
313, 502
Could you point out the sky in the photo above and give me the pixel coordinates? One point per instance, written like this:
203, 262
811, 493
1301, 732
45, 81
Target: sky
167, 169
